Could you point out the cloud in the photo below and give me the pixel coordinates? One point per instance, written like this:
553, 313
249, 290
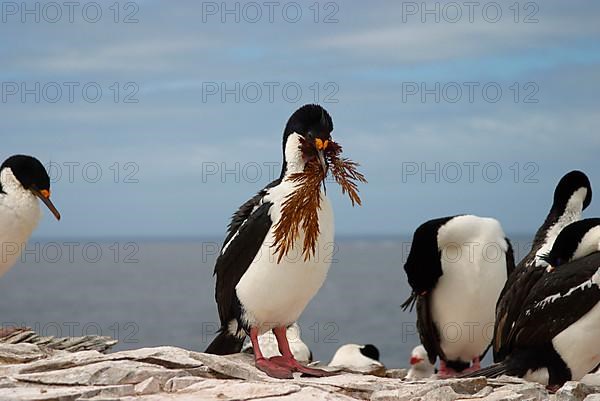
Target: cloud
172, 131
132, 56
416, 42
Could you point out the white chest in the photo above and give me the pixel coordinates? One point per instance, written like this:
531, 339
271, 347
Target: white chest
19, 215
578, 344
274, 294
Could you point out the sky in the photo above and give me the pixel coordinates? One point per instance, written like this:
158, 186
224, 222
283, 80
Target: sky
158, 119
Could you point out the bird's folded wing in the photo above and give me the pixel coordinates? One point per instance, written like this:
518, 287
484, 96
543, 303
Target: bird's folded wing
247, 232
558, 300
428, 331
510, 304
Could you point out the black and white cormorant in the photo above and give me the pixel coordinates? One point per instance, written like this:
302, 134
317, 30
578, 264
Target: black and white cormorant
255, 292
457, 267
571, 196
554, 338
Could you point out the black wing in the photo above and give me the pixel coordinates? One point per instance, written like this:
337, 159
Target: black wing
235, 260
509, 306
428, 332
516, 289
423, 269
241, 216
423, 266
246, 233
529, 261
558, 300
518, 284
245, 211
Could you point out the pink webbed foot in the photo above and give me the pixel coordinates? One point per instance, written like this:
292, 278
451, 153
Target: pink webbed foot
446, 372
295, 366
475, 366
287, 358
265, 365
273, 369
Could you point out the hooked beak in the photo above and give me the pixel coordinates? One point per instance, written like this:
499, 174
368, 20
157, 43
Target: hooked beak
44, 196
321, 146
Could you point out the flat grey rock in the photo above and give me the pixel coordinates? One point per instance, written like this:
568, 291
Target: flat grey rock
25, 335
504, 395
444, 393
148, 386
529, 391
312, 394
33, 372
239, 390
574, 391
179, 383
396, 373
63, 393
102, 373
21, 353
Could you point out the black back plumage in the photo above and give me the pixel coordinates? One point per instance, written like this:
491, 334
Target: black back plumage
423, 268
556, 301
370, 351
523, 360
520, 283
543, 317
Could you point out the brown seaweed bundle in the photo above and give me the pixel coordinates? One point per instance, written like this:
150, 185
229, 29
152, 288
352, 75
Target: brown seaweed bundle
300, 208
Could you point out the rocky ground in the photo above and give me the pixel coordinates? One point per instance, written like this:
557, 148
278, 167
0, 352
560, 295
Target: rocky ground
35, 372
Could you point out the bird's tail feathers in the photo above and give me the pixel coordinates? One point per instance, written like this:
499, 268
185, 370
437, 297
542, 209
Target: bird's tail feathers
410, 302
494, 370
225, 343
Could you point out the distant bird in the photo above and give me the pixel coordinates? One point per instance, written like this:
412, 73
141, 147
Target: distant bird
268, 345
572, 195
255, 290
356, 357
420, 367
23, 180
457, 267
555, 337
575, 241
